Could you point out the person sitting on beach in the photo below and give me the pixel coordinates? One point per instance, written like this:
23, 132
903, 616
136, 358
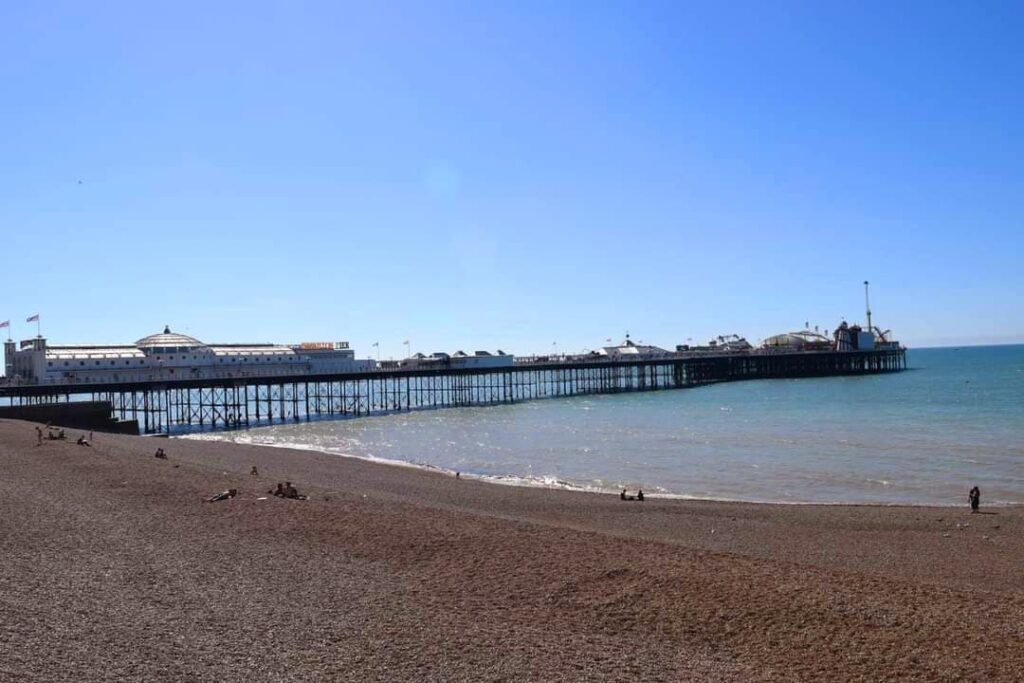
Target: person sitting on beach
224, 495
640, 494
254, 472
82, 441
623, 496
292, 493
279, 492
61, 436
160, 454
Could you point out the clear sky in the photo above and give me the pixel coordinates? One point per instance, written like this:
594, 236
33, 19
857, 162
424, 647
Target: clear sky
478, 176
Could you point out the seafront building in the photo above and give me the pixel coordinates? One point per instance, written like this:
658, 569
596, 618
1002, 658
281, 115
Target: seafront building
171, 356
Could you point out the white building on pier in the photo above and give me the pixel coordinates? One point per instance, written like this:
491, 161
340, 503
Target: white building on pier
171, 356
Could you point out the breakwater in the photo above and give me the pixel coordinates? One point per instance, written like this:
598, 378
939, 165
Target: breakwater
92, 415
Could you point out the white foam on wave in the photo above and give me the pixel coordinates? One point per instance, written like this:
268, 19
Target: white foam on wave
298, 446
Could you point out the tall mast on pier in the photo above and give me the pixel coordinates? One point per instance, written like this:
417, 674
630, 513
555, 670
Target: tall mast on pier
867, 305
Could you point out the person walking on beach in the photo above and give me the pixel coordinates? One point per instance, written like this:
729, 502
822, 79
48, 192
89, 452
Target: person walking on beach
974, 497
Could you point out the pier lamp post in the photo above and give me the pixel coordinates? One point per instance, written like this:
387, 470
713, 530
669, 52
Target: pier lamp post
408, 352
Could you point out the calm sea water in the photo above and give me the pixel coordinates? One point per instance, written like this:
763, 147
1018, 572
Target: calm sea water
955, 419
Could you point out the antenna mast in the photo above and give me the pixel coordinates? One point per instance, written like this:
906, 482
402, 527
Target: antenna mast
867, 305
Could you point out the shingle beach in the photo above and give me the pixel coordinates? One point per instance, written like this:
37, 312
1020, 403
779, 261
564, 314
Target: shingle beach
115, 568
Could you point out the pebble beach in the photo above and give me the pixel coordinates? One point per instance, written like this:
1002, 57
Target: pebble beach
115, 568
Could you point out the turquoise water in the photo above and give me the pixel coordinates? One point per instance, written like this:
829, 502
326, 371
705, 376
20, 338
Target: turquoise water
955, 419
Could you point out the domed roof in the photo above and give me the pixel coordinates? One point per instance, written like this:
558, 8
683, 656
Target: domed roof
168, 338
796, 339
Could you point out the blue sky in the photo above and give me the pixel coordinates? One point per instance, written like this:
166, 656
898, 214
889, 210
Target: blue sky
477, 175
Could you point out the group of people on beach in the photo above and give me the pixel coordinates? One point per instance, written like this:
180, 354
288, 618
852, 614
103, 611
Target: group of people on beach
51, 434
625, 496
54, 434
286, 490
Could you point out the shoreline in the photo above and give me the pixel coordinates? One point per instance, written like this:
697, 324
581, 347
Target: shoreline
116, 569
517, 481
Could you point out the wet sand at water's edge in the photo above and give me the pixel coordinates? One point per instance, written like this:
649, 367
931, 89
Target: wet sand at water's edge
115, 569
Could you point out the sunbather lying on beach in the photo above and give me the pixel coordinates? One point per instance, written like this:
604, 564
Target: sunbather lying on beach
224, 495
82, 441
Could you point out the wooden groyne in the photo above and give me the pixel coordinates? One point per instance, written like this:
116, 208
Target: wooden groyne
166, 406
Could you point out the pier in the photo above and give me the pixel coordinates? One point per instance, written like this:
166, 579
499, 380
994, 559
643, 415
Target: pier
217, 403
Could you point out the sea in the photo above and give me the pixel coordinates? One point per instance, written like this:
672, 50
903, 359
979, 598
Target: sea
953, 420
